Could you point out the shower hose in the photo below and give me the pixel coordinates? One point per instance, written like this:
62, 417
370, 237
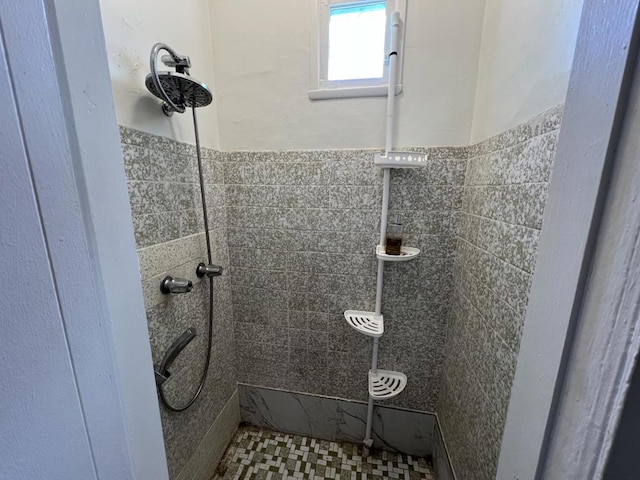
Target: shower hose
209, 259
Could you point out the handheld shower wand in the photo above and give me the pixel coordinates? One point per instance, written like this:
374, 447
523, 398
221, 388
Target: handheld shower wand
162, 371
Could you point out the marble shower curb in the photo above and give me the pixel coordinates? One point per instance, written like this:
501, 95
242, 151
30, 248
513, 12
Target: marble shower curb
441, 458
205, 459
395, 429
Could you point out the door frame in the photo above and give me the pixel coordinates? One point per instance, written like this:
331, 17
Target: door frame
551, 351
57, 62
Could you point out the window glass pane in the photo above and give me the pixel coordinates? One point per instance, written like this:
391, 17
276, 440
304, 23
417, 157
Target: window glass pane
356, 41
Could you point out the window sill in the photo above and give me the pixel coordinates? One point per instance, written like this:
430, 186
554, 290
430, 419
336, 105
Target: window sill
351, 92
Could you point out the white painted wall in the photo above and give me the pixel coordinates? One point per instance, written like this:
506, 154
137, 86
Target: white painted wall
469, 71
263, 62
43, 428
131, 29
525, 61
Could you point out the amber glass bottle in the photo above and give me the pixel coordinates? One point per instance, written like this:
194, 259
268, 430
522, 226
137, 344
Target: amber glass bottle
394, 237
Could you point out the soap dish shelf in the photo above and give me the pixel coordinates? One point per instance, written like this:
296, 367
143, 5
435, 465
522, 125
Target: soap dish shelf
400, 159
367, 323
385, 384
406, 254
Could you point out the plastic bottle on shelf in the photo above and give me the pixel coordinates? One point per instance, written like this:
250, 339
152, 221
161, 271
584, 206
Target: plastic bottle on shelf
394, 237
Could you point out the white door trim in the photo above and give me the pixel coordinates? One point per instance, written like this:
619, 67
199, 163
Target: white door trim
605, 52
58, 66
606, 339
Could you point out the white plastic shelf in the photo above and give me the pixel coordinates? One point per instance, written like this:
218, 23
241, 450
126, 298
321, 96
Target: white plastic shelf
400, 160
406, 253
367, 323
386, 384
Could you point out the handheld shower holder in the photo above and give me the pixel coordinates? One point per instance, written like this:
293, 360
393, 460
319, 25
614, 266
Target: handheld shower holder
180, 62
161, 377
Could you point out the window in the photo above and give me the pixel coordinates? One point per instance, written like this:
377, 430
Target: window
356, 41
352, 48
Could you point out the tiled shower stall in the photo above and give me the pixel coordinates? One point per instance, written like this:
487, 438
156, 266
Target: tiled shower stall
296, 233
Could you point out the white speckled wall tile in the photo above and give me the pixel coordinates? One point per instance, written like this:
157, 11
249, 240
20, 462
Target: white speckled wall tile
505, 192
168, 224
321, 209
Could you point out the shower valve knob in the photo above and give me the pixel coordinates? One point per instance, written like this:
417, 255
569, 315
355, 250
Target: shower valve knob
208, 270
175, 285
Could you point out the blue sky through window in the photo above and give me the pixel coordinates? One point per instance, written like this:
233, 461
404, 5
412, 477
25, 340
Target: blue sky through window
356, 41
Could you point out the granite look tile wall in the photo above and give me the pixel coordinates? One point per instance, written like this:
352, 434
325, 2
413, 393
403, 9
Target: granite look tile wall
168, 223
302, 231
504, 196
298, 232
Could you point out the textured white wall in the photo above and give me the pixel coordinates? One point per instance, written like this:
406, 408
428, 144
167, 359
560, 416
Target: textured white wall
525, 61
469, 72
131, 29
43, 427
263, 63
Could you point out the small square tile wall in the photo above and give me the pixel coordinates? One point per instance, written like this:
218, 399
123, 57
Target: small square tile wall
162, 177
302, 232
505, 191
165, 202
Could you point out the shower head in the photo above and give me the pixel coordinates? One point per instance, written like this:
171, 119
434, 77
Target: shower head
180, 88
177, 89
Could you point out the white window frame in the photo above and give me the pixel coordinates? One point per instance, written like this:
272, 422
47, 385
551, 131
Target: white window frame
322, 88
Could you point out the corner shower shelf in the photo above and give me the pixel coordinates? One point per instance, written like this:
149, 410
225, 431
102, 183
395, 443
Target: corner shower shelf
386, 384
400, 160
406, 253
365, 322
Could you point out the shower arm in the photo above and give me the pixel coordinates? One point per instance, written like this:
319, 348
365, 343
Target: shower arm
172, 107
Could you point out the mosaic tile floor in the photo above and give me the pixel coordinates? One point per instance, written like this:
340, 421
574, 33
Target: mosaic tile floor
262, 454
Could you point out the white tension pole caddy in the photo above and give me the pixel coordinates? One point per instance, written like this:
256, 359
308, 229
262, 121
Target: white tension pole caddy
385, 384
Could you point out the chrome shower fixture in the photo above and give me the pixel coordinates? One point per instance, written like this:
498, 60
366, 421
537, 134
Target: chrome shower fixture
209, 270
175, 285
178, 89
